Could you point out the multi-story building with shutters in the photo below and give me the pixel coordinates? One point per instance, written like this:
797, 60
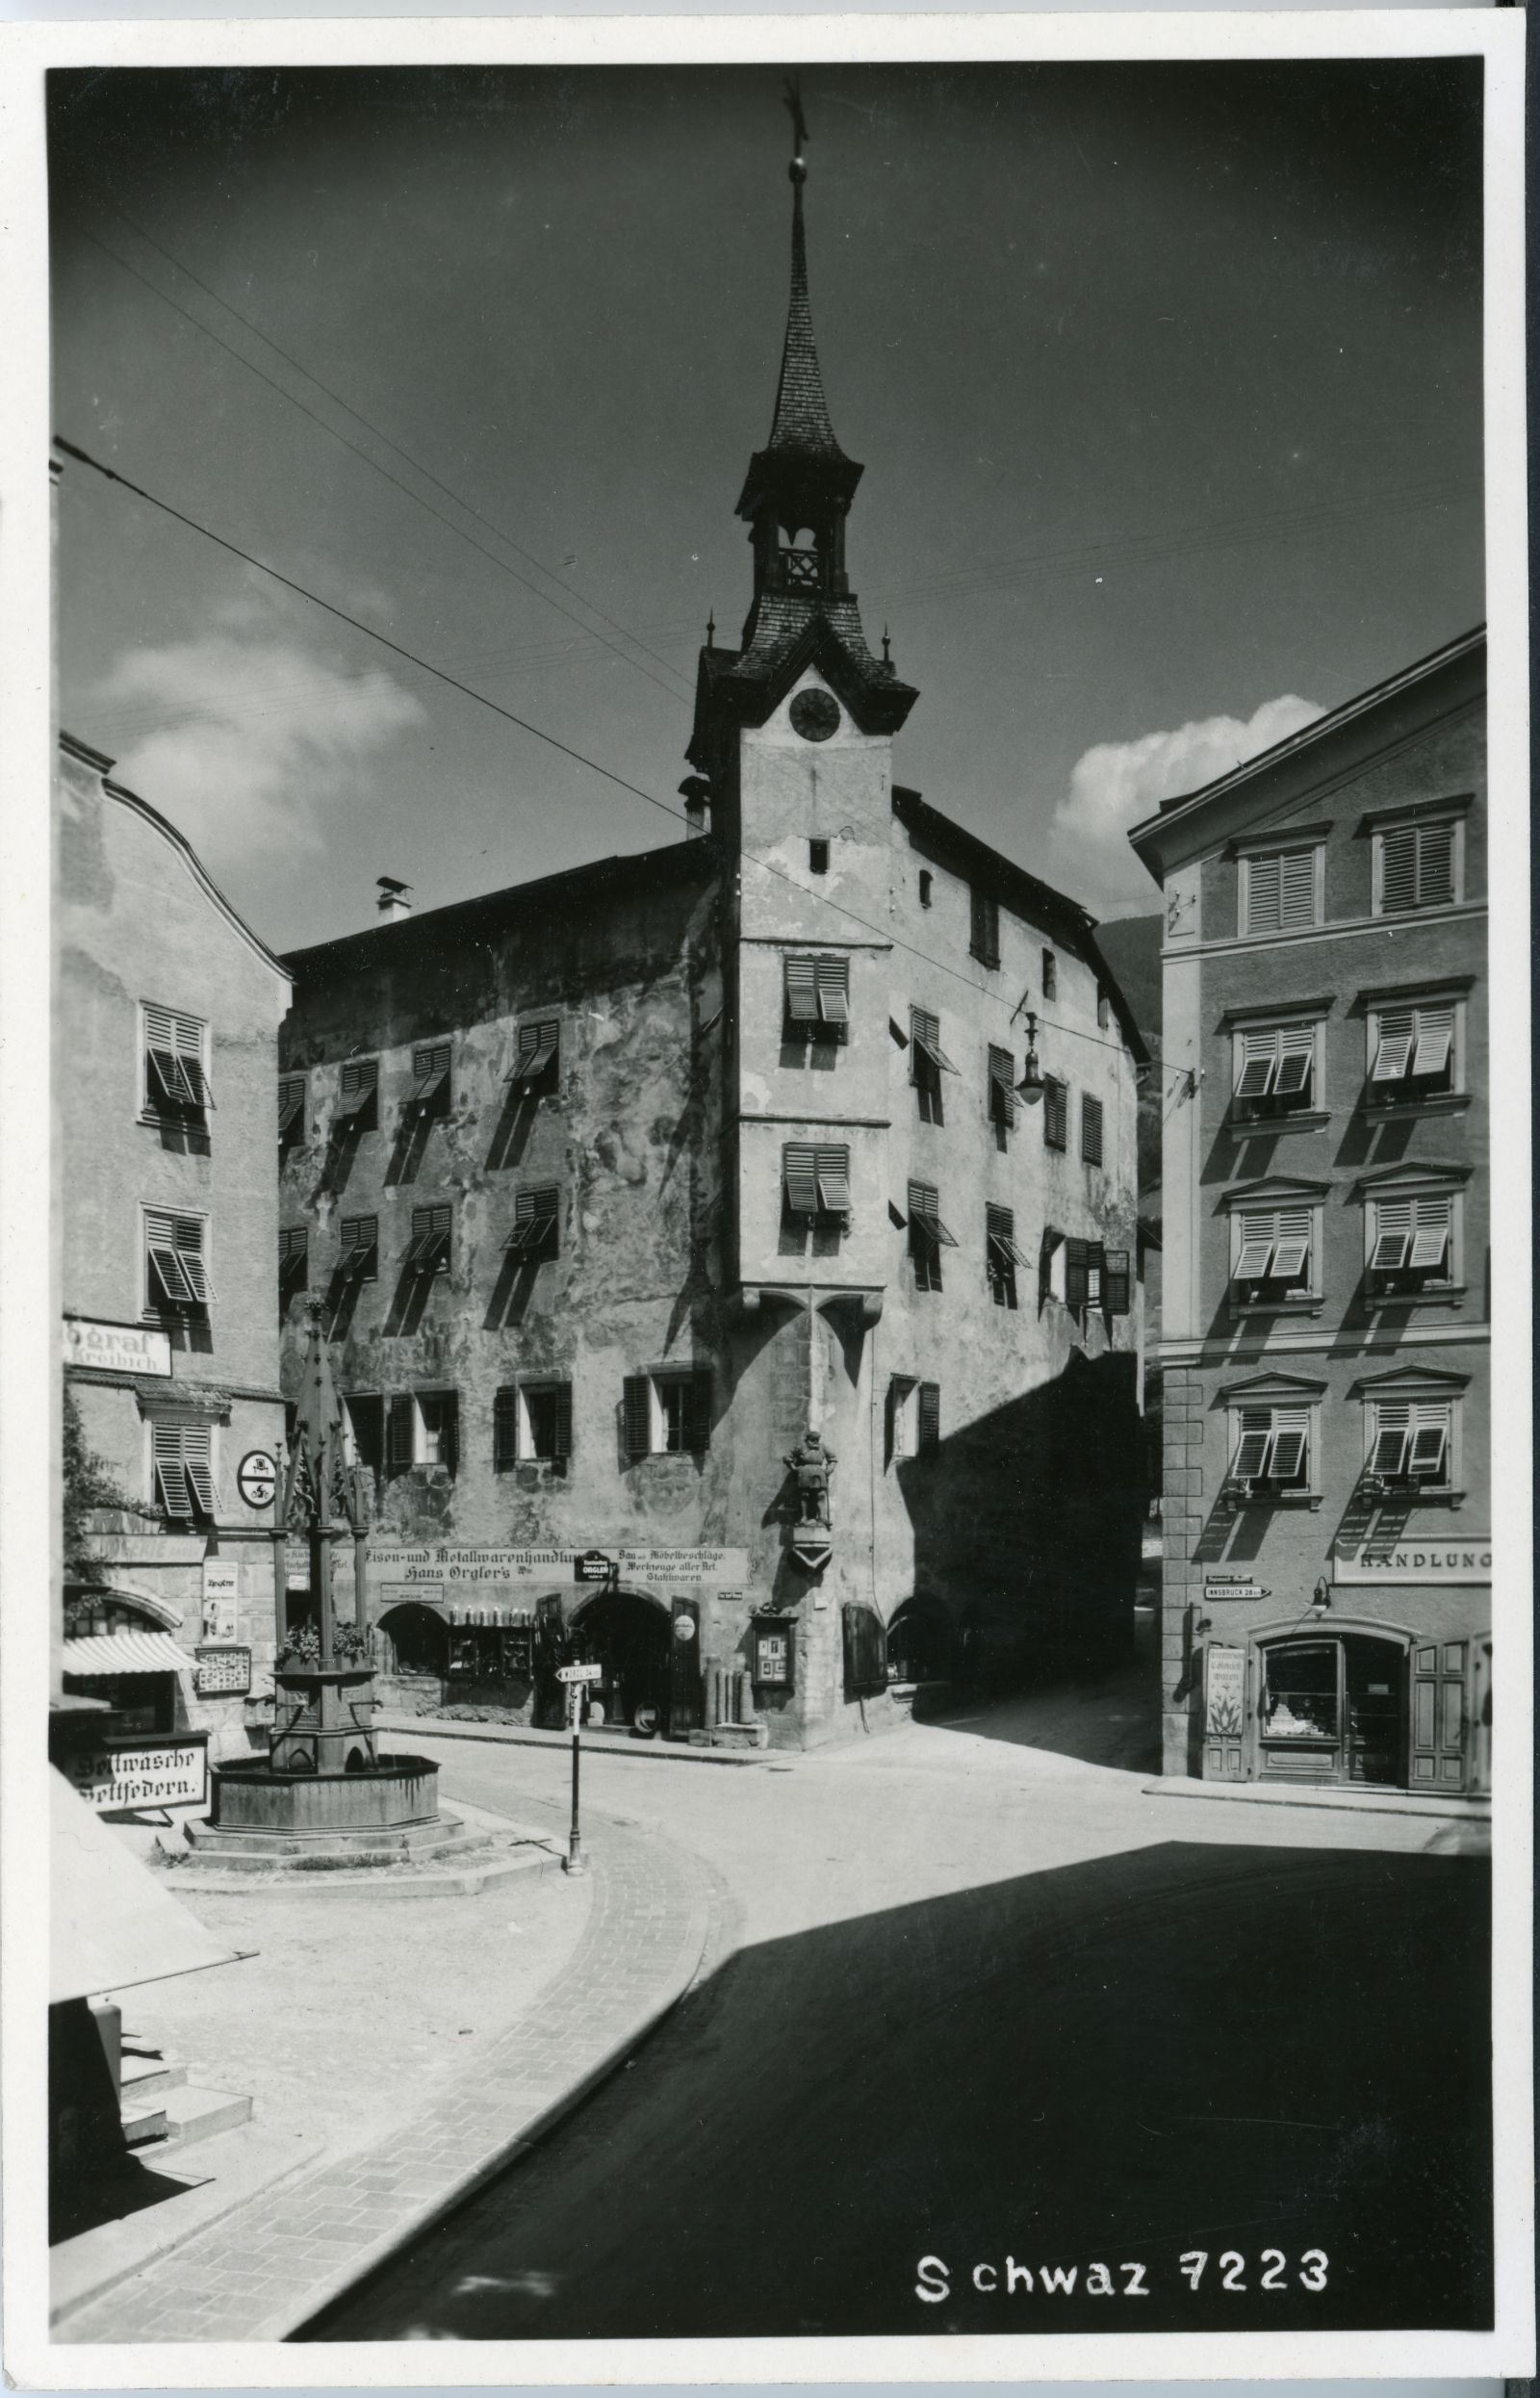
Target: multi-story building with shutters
1326, 1300
619, 1186
169, 1013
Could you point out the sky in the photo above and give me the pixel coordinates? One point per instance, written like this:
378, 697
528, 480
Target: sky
1166, 379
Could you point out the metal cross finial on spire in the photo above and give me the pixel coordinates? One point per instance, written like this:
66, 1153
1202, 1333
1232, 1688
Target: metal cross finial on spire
792, 103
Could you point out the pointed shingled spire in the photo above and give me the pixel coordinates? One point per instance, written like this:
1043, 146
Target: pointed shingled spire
802, 420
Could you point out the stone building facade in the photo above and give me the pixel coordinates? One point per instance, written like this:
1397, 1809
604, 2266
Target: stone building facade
168, 1014
1327, 1303
621, 1185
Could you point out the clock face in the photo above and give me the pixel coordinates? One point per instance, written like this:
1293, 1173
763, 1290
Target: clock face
814, 714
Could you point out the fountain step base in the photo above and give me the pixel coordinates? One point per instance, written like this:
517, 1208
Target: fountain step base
255, 1849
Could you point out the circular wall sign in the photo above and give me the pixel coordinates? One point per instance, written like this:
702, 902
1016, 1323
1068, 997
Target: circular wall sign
257, 1478
815, 716
683, 1627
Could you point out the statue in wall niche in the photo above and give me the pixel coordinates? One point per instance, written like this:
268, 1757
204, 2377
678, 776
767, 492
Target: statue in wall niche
811, 1465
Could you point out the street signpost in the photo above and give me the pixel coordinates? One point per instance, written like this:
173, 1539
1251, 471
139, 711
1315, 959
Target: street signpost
577, 1678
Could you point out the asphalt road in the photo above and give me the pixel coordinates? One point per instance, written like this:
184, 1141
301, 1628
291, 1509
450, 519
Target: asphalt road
990, 2008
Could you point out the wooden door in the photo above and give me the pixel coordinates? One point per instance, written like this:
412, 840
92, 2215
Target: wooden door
1438, 1717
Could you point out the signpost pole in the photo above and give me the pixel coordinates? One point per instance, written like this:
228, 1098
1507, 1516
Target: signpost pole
575, 1862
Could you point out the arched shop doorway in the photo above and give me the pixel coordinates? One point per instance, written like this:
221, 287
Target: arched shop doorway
416, 1641
920, 1640
630, 1636
1334, 1706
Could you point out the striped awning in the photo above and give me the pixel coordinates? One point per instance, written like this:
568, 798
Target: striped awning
125, 1653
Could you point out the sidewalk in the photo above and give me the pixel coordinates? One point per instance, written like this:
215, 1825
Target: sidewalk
277, 2255
618, 1742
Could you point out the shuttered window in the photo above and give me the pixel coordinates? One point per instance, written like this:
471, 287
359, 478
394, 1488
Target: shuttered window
1051, 975
1055, 1114
431, 1068
1002, 1088
1411, 1441
1413, 1052
438, 1428
176, 1079
983, 937
182, 1455
359, 1261
817, 995
293, 1261
1416, 868
1273, 1252
1118, 1282
178, 1274
358, 1096
504, 1429
1272, 1448
928, 1061
1001, 1255
429, 1250
400, 1435
928, 1418
1091, 1120
1085, 1268
927, 1235
1279, 890
365, 1413
667, 1413
536, 1234
537, 1058
532, 1421
1275, 1068
816, 1181
1411, 1241
291, 1110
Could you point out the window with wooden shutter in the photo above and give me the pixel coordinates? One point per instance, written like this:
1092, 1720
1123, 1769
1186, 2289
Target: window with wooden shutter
1411, 1441
359, 1261
637, 1411
364, 1416
1279, 890
1416, 868
176, 1080
358, 1096
1084, 1270
504, 1429
1412, 1052
1271, 1450
928, 1418
544, 1421
815, 1181
866, 1650
1055, 1114
294, 1262
438, 1428
537, 1056
817, 997
1272, 1254
429, 1250
1090, 1121
1274, 1069
833, 992
928, 1061
1120, 1282
1002, 1089
1001, 1255
983, 940
430, 1091
400, 1434
178, 1274
536, 1235
1051, 975
1410, 1243
698, 1413
291, 1111
802, 994
182, 1459
927, 1235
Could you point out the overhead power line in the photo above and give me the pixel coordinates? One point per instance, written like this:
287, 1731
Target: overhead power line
459, 530
884, 931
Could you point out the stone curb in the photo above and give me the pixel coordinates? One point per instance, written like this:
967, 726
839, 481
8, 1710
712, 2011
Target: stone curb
1383, 1803
334, 2182
594, 1744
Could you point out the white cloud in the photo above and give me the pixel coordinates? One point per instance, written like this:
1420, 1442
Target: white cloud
247, 743
1116, 783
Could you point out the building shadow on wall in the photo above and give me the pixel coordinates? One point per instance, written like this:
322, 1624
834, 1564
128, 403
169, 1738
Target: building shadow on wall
1027, 1521
1180, 2045
510, 1138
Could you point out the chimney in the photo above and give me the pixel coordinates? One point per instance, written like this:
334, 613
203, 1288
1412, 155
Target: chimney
393, 903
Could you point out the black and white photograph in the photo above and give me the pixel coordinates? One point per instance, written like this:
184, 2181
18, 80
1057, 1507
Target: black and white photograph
774, 1606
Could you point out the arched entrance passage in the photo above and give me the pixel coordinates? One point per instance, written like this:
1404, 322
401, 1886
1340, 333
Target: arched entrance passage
920, 1640
417, 1642
627, 1633
1333, 1707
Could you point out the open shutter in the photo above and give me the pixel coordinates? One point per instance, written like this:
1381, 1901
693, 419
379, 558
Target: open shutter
170, 1471
799, 1166
1438, 1717
1291, 1255
1120, 1282
1430, 1238
1090, 1129
561, 1435
928, 1424
400, 1444
1393, 1055
1259, 1063
637, 1411
832, 975
1392, 1431
1435, 1037
1256, 1248
504, 1429
1076, 1270
1002, 1086
698, 1414
802, 990
1297, 1057
1055, 1113
537, 1050
1429, 1445
1291, 1440
1251, 1449
833, 1181
292, 1108
1393, 1236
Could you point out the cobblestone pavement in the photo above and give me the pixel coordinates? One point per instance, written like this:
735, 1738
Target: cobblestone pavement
258, 2273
